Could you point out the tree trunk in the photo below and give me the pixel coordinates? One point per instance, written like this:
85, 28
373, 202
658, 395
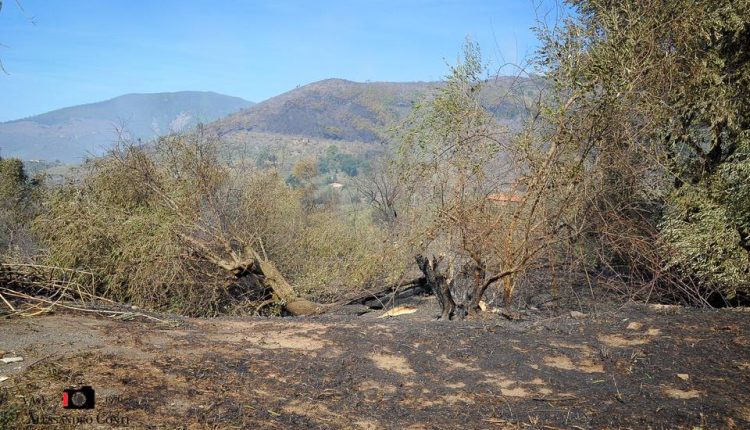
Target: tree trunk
508, 287
439, 285
377, 299
472, 308
250, 264
282, 291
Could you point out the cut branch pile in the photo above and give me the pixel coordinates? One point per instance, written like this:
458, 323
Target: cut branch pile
29, 290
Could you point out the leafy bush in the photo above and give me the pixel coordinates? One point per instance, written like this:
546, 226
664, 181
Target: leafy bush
667, 110
18, 203
706, 232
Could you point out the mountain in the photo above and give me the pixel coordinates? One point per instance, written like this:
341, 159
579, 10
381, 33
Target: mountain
72, 133
353, 111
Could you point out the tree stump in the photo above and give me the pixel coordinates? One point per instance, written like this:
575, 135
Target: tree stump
440, 286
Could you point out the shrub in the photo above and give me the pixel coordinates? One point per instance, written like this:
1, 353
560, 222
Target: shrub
18, 204
159, 226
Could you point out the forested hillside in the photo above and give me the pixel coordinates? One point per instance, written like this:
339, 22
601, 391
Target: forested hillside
353, 111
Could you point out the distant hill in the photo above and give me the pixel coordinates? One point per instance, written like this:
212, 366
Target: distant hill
344, 110
71, 133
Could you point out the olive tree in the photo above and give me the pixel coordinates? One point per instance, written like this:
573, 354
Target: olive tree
662, 94
495, 201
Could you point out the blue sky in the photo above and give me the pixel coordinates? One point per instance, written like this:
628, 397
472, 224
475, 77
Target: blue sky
60, 53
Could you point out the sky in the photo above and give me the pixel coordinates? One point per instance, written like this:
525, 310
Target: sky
62, 53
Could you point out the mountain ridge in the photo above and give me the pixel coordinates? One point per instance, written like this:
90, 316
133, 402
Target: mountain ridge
123, 96
331, 109
74, 132
345, 110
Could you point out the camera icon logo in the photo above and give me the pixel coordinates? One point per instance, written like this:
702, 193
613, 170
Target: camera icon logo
78, 398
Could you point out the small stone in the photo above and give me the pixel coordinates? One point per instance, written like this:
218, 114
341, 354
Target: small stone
7, 360
634, 326
577, 315
4, 378
683, 376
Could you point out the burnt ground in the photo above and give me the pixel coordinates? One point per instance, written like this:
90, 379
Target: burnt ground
633, 367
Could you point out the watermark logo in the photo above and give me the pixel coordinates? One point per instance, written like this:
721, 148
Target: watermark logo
41, 410
78, 398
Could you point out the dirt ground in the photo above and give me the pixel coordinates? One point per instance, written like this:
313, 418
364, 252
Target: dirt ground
634, 367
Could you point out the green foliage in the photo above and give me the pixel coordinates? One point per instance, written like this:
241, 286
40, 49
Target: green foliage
338, 256
266, 158
454, 155
293, 181
334, 161
451, 134
10, 414
18, 196
707, 225
697, 238
660, 90
114, 223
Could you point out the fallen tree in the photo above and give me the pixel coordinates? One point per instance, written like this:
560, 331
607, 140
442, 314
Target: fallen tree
250, 264
173, 227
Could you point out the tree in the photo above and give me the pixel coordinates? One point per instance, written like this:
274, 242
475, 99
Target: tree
266, 158
662, 93
305, 170
17, 203
335, 161
169, 226
480, 194
381, 189
13, 181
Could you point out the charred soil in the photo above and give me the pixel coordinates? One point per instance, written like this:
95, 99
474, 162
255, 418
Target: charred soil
633, 367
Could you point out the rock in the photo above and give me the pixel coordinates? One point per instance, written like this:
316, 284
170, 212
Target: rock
634, 326
577, 315
683, 376
7, 360
3, 378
